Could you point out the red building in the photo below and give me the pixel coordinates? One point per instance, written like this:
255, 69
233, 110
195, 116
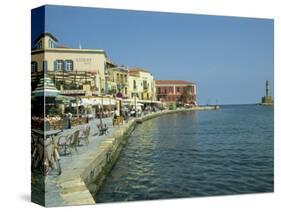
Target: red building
176, 91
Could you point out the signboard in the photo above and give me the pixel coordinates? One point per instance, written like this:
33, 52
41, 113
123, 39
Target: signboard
84, 60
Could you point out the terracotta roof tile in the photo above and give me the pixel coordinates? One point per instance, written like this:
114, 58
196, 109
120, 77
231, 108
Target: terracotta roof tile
137, 69
176, 82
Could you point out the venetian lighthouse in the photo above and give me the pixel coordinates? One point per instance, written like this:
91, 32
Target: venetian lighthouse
267, 99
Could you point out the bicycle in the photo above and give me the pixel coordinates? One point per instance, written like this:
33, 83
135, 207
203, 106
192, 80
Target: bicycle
53, 161
37, 147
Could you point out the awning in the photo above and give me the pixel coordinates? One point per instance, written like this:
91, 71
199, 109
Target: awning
45, 87
95, 102
65, 99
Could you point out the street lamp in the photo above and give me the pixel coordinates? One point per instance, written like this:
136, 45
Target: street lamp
135, 98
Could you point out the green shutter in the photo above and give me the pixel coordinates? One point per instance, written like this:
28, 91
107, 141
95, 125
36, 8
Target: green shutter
55, 65
64, 65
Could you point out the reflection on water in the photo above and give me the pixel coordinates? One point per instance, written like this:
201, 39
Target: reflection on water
229, 151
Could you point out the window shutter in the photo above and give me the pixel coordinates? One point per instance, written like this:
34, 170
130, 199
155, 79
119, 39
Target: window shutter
65, 65
46, 65
55, 65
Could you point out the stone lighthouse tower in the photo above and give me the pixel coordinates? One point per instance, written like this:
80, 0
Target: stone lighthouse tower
267, 99
267, 92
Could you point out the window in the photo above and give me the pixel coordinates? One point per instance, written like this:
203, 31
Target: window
178, 89
51, 44
170, 89
39, 45
68, 65
58, 65
135, 84
118, 79
33, 67
125, 78
145, 85
165, 91
125, 91
159, 90
45, 66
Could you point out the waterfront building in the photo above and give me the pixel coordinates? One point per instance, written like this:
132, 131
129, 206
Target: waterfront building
141, 85
116, 80
267, 99
75, 71
176, 92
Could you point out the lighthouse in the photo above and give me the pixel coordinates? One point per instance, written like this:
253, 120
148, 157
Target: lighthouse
267, 99
267, 88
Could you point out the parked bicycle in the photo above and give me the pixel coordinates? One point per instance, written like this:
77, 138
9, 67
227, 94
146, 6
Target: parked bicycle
37, 147
45, 156
51, 161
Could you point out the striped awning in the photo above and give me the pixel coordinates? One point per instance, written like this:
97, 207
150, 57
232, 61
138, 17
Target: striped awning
45, 87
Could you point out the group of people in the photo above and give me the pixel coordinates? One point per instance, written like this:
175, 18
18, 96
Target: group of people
128, 112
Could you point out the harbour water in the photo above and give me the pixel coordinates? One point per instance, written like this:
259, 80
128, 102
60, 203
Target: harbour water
196, 153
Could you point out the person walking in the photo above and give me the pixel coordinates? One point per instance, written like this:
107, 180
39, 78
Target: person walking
69, 116
115, 115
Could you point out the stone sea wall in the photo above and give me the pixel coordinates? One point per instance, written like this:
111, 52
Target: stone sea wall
81, 186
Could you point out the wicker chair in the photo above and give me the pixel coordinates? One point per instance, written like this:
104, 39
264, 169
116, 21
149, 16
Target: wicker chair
63, 143
74, 141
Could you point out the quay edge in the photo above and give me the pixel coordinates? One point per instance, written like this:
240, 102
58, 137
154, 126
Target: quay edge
79, 186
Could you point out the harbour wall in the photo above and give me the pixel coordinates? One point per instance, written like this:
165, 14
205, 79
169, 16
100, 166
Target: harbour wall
81, 185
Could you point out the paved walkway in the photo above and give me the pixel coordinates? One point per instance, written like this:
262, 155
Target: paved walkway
53, 197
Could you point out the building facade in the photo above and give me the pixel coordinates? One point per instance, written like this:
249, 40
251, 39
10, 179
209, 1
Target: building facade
73, 70
116, 80
141, 85
176, 91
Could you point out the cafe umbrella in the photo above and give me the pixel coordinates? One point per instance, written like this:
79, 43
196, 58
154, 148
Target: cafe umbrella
46, 88
44, 96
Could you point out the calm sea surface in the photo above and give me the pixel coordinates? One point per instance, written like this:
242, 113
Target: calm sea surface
192, 154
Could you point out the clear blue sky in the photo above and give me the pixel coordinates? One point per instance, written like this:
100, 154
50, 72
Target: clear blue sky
229, 58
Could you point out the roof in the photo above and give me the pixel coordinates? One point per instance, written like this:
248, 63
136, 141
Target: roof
120, 69
134, 73
174, 82
61, 46
108, 61
46, 34
136, 69
68, 50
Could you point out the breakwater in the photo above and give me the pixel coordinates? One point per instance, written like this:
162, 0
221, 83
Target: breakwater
80, 182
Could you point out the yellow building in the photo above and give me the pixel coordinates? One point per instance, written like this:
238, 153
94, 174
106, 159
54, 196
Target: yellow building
74, 70
116, 79
142, 85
